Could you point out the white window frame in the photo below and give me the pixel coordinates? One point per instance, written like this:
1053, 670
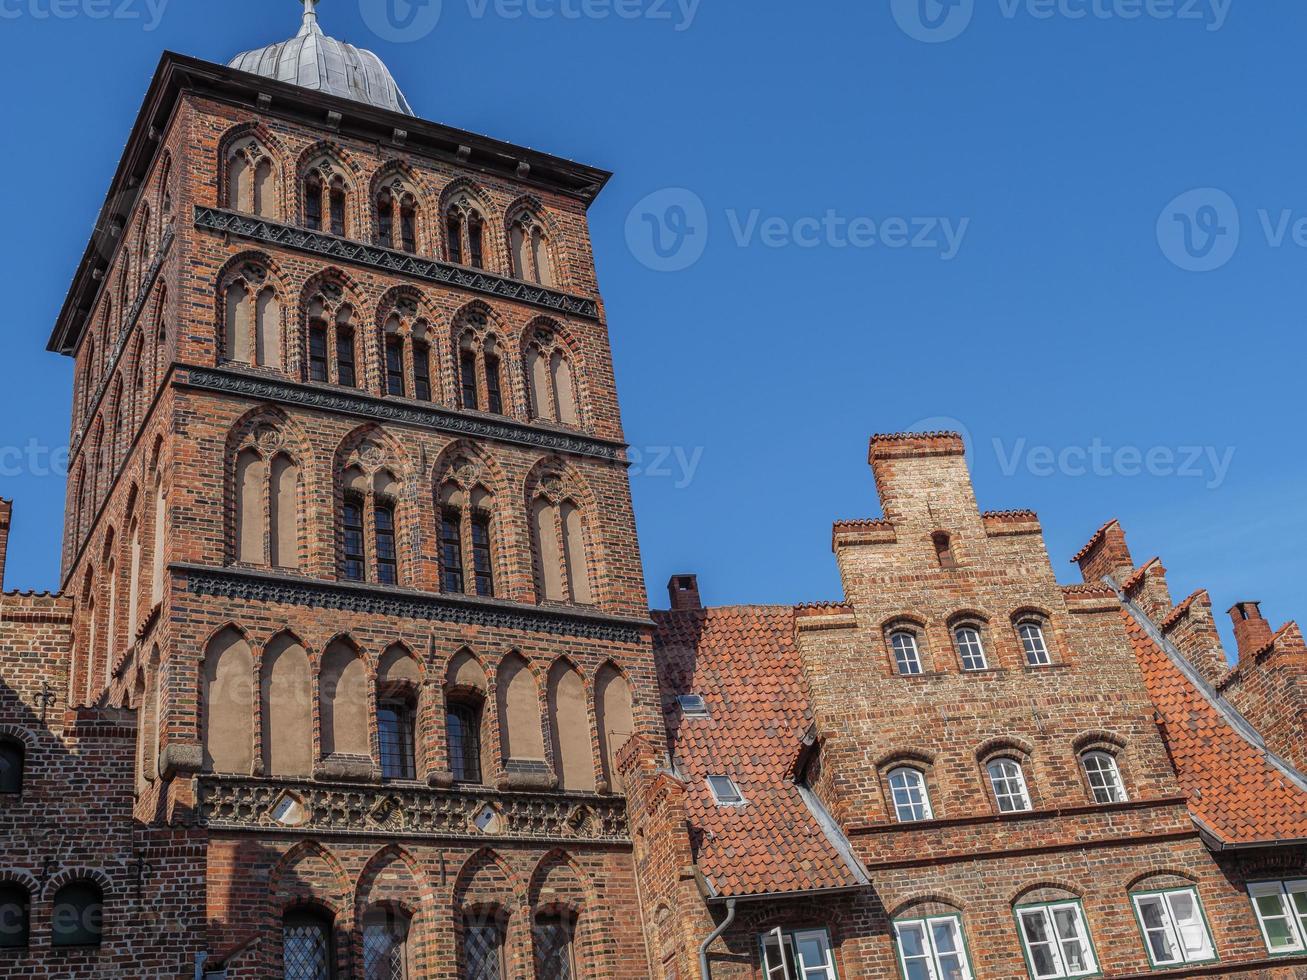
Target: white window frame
972, 648
1296, 920
1058, 942
1115, 788
722, 799
692, 705
932, 955
1172, 928
1018, 783
906, 655
919, 787
790, 942
1034, 643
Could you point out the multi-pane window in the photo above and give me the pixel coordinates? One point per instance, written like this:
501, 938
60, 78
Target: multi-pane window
395, 366
1009, 783
483, 950
1056, 941
466, 550
911, 799
466, 236
395, 730
1034, 644
355, 555
421, 371
15, 917
467, 377
1104, 777
397, 212
1281, 908
385, 945
325, 198
345, 363
971, 648
306, 947
451, 549
482, 563
387, 558
317, 350
1175, 930
77, 918
463, 734
494, 386
13, 756
797, 955
907, 655
932, 948
553, 948
332, 353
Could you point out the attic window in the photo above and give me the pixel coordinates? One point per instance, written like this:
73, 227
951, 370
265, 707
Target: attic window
724, 791
693, 705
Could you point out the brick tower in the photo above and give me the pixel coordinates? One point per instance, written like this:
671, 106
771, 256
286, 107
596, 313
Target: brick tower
349, 527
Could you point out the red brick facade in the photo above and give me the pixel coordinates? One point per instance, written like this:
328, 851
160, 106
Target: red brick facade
284, 437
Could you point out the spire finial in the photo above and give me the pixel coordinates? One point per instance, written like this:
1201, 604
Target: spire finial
310, 25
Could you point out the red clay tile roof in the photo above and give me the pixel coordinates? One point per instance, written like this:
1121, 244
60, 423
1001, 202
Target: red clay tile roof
744, 663
1234, 789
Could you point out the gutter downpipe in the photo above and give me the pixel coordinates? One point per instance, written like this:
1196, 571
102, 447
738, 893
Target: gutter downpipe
716, 934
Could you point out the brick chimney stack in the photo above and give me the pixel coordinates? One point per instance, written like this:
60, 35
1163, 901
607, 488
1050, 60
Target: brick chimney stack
1251, 631
6, 512
684, 592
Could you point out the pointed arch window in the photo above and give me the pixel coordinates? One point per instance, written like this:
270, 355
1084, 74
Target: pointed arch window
562, 563
326, 196
397, 217
250, 179
307, 952
553, 939
252, 319
467, 559
368, 527
552, 380
385, 944
332, 354
266, 488
406, 356
465, 233
483, 948
480, 369
463, 734
532, 259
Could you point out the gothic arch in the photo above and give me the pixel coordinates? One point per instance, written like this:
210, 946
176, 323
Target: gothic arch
531, 238
485, 879
554, 373
404, 313
571, 733
518, 709
333, 298
399, 176
266, 458
371, 890
566, 546
300, 876
250, 312
330, 160
557, 867
252, 141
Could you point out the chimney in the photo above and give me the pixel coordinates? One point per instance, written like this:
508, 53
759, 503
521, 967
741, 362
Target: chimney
684, 592
1106, 554
6, 512
1251, 631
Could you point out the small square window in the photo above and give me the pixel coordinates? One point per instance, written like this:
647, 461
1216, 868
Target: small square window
724, 791
693, 705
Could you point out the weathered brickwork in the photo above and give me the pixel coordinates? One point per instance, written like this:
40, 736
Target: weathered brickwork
353, 653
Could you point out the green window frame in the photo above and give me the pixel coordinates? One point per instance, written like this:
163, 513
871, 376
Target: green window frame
1174, 926
1281, 910
1056, 941
933, 948
797, 954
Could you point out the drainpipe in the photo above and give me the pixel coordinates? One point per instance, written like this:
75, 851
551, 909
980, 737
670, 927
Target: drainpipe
199, 965
716, 934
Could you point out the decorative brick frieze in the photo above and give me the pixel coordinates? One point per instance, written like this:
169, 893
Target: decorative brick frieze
386, 260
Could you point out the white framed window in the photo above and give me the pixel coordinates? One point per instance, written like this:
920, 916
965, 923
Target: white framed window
1104, 777
1009, 783
907, 655
692, 705
725, 792
911, 798
1056, 940
803, 954
971, 648
1281, 908
1174, 926
933, 949
1034, 644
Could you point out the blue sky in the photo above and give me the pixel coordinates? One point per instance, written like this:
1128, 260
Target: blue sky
882, 224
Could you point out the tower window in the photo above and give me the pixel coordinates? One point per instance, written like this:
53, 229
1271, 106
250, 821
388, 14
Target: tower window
345, 374
451, 549
15, 917
454, 231
355, 556
1009, 785
395, 730
463, 734
387, 560
337, 204
907, 655
494, 392
475, 236
467, 364
422, 371
971, 648
317, 350
482, 562
313, 203
395, 366
1034, 644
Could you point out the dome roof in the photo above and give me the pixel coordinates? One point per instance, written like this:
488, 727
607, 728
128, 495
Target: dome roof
315, 61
